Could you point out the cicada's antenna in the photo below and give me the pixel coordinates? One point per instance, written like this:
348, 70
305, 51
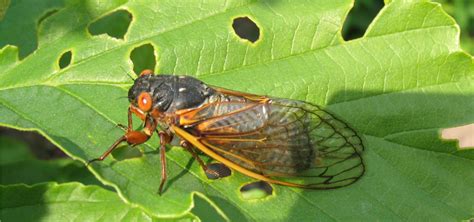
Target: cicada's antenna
122, 97
128, 74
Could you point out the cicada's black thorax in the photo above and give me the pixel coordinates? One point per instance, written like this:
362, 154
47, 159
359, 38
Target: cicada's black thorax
171, 93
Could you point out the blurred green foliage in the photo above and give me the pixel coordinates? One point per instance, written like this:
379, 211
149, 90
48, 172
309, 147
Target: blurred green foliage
463, 13
364, 12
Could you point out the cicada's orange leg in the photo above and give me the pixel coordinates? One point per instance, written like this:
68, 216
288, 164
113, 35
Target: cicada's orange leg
191, 150
165, 138
204, 167
132, 137
137, 112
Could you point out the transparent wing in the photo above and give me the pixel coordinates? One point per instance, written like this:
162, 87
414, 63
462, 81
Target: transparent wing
285, 140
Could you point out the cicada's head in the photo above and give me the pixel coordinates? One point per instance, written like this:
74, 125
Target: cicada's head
167, 93
151, 92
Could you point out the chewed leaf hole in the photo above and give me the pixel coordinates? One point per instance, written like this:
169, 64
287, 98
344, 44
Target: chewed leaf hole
126, 152
115, 24
256, 190
360, 17
217, 170
65, 60
143, 57
245, 28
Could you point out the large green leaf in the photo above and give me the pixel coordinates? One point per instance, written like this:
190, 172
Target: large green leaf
67, 202
397, 86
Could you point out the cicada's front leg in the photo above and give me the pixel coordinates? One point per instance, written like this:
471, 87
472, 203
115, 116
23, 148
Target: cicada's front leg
132, 137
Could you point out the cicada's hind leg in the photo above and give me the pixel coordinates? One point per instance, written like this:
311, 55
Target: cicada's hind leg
132, 137
190, 149
165, 138
210, 173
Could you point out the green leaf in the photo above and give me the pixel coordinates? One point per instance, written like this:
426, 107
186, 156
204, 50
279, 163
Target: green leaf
398, 86
18, 165
68, 202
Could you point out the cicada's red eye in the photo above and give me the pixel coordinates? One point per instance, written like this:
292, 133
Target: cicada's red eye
144, 101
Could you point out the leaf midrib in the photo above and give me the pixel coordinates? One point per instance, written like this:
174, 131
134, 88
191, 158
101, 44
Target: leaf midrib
128, 84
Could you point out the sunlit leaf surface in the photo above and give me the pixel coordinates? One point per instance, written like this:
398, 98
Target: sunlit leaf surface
397, 86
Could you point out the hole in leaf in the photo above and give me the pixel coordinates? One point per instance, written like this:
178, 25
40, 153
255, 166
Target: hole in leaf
115, 24
245, 28
360, 17
206, 211
256, 190
217, 170
143, 57
65, 60
126, 152
463, 134
46, 15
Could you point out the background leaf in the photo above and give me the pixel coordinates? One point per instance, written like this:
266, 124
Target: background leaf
398, 85
463, 12
18, 165
67, 202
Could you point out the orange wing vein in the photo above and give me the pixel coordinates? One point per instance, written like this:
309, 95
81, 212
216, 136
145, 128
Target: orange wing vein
280, 141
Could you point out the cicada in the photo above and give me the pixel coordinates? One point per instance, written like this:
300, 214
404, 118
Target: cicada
280, 141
